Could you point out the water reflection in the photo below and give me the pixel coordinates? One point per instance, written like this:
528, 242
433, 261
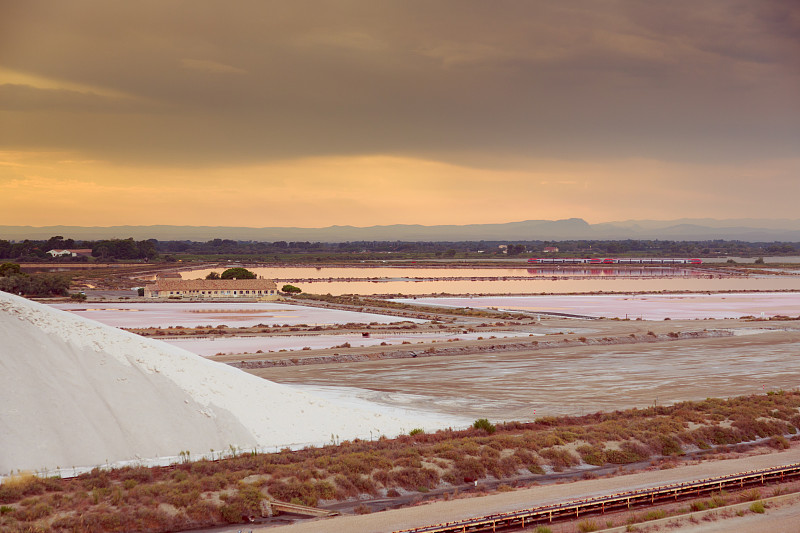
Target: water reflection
400, 273
523, 280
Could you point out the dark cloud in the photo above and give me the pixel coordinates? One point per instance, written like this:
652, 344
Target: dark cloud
212, 82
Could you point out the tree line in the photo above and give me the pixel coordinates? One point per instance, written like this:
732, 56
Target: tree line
32, 251
13, 280
152, 249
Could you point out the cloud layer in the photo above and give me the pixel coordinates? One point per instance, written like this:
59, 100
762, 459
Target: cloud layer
499, 89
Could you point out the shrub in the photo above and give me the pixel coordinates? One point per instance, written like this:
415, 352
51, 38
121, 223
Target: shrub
415, 478
203, 511
14, 488
469, 467
592, 455
231, 513
33, 512
141, 474
779, 442
485, 425
629, 452
757, 507
750, 495
559, 458
291, 289
657, 514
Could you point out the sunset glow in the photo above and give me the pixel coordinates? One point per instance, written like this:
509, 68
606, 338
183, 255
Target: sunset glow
359, 113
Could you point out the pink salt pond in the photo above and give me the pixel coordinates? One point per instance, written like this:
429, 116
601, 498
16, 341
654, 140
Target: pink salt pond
245, 314
643, 306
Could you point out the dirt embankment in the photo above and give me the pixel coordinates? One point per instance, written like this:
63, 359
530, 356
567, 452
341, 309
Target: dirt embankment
474, 347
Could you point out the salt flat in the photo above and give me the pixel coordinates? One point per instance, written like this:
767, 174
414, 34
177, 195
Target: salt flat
569, 380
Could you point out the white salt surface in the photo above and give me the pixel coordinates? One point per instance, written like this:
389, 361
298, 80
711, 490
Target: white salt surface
644, 306
199, 314
234, 345
74, 392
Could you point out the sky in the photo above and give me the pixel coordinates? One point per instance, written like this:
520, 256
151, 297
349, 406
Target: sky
304, 113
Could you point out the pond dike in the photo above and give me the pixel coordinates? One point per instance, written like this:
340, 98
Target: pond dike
441, 349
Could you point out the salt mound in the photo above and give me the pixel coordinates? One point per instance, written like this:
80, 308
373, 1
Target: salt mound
74, 392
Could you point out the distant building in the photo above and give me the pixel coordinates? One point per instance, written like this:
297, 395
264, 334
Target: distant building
212, 288
87, 252
550, 249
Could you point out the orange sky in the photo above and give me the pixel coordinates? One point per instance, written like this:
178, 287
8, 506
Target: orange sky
315, 113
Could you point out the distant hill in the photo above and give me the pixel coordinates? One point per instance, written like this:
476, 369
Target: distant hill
753, 230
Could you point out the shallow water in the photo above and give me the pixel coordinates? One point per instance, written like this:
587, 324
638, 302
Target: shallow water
521, 279
568, 381
643, 306
447, 272
201, 314
236, 345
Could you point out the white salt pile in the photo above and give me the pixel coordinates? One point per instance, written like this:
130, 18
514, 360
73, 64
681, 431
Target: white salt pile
74, 392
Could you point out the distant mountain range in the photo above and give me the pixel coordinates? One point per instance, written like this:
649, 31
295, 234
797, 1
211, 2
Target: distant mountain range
753, 230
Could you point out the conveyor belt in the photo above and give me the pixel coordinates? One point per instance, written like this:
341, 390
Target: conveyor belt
601, 504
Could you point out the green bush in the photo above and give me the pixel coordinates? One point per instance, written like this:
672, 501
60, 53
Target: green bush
484, 424
238, 273
291, 289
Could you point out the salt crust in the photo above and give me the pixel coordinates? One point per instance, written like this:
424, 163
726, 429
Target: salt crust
42, 340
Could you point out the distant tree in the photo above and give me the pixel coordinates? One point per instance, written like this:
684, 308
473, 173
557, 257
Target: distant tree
516, 249
125, 249
35, 285
759, 261
8, 269
291, 289
49, 285
213, 275
237, 273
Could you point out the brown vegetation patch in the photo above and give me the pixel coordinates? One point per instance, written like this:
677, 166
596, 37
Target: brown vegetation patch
206, 493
